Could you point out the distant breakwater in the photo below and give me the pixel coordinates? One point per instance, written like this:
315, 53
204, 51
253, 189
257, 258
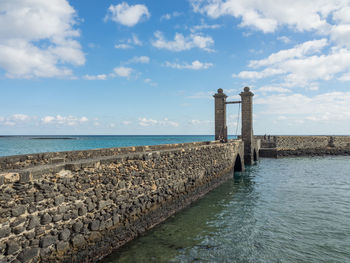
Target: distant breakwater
282, 146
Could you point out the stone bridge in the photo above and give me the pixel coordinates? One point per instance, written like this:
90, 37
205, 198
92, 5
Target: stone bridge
79, 206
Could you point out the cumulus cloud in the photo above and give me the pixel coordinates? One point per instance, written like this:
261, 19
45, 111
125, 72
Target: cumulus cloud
146, 122
267, 16
302, 65
332, 106
195, 65
284, 39
170, 15
21, 31
127, 15
64, 120
129, 43
266, 89
123, 71
181, 43
95, 77
140, 59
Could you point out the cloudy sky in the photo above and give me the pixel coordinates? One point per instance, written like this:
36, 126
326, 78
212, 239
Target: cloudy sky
152, 66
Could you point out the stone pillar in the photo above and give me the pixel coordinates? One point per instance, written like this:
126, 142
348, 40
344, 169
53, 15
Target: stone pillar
247, 125
220, 116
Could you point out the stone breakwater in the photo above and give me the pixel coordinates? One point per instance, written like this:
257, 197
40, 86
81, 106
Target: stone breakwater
277, 146
79, 206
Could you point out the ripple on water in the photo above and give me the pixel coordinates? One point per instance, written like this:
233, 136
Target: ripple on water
281, 210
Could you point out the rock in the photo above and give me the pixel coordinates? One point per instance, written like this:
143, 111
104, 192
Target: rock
30, 235
17, 230
78, 241
95, 236
12, 247
82, 211
95, 225
64, 235
18, 221
33, 222
45, 219
47, 241
62, 246
28, 254
59, 200
57, 217
25, 177
19, 210
5, 231
77, 226
62, 209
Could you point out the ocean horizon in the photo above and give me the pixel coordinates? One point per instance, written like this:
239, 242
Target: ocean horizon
29, 144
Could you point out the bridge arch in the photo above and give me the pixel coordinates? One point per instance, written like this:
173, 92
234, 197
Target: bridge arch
255, 156
238, 164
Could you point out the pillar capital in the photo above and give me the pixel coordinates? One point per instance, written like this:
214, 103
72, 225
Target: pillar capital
220, 94
246, 92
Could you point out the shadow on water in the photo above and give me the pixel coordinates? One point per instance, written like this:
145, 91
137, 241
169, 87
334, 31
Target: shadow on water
195, 233
280, 210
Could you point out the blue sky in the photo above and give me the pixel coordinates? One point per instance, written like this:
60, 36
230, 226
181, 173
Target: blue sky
151, 67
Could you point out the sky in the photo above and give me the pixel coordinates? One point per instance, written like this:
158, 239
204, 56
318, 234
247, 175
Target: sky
151, 67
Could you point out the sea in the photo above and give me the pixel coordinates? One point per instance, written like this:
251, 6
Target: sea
294, 209
15, 145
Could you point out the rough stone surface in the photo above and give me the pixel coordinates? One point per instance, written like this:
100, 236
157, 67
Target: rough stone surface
281, 146
81, 205
28, 254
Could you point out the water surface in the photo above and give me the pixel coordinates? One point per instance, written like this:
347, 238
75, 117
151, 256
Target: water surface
281, 210
13, 145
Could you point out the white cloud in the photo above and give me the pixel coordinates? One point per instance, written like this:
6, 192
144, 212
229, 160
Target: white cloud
265, 89
96, 77
126, 122
299, 51
129, 43
64, 120
267, 16
21, 31
140, 59
123, 46
332, 106
181, 43
150, 82
16, 119
170, 15
195, 65
284, 39
259, 74
302, 65
204, 26
123, 71
19, 117
127, 15
200, 122
146, 122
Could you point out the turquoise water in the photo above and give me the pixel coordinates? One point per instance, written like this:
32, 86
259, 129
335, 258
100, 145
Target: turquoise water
13, 145
281, 210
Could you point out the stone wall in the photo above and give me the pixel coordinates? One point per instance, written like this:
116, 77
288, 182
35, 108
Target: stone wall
305, 145
88, 203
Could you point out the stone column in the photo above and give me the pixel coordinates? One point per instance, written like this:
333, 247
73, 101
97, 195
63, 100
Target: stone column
220, 116
247, 125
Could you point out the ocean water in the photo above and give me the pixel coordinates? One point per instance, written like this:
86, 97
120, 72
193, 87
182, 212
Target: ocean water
14, 145
280, 210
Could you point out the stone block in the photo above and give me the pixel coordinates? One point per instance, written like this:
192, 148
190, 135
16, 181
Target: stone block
19, 210
28, 255
48, 241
